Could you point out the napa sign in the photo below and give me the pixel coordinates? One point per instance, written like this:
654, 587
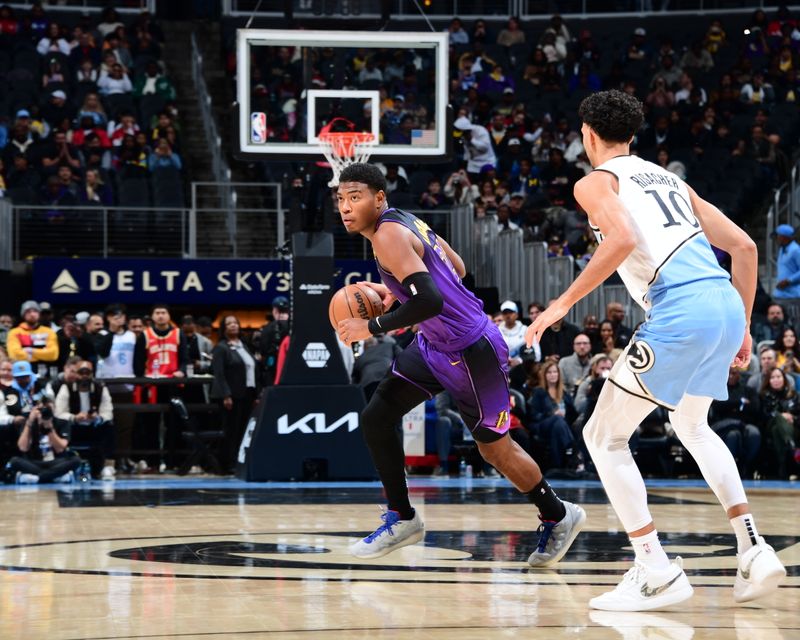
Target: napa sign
66, 281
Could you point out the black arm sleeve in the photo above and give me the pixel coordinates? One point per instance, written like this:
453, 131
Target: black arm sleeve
426, 301
103, 346
140, 355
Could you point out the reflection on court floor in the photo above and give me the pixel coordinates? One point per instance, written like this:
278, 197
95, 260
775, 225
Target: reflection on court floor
205, 559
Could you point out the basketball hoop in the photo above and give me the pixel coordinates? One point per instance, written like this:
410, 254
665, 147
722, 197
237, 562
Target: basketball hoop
343, 148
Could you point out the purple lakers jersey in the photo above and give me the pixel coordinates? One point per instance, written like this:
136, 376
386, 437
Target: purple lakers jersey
462, 320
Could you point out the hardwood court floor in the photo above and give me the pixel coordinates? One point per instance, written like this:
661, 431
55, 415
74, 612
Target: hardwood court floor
221, 559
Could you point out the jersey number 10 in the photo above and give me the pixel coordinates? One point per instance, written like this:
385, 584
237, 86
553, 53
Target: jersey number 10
674, 197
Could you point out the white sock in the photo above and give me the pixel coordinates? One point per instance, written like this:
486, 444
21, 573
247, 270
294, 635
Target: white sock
746, 533
649, 551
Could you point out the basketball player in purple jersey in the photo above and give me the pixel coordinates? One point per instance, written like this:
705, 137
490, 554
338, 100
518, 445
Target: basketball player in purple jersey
457, 349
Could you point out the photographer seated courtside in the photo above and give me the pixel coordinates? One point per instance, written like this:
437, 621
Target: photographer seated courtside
43, 443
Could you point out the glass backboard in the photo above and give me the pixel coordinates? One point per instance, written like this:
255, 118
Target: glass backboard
292, 84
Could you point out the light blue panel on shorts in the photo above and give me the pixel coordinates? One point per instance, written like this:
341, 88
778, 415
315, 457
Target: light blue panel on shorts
687, 344
693, 262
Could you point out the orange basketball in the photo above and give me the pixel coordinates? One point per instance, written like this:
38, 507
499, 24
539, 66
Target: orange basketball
354, 301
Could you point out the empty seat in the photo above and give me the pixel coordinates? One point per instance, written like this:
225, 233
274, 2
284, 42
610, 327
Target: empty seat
168, 195
519, 54
418, 182
149, 106
167, 187
118, 103
134, 192
23, 195
30, 61
402, 200
166, 175
5, 62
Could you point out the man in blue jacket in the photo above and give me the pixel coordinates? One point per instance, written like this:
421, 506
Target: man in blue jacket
788, 285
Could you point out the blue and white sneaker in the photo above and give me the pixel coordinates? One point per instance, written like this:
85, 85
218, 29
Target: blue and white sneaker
27, 478
555, 538
67, 478
392, 534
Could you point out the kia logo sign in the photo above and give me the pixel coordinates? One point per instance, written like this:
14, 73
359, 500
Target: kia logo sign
316, 423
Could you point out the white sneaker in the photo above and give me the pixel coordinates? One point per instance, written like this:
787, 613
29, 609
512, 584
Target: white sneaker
27, 478
758, 574
642, 589
392, 534
640, 626
555, 538
67, 478
108, 473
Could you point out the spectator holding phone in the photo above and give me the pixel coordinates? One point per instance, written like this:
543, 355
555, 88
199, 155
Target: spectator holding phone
459, 190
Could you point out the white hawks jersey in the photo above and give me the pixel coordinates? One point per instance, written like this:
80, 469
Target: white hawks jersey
671, 248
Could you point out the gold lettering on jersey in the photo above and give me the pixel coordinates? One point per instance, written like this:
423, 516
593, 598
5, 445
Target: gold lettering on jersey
427, 233
424, 230
502, 418
162, 346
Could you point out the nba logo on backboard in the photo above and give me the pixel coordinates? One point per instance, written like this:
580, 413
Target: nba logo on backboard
258, 127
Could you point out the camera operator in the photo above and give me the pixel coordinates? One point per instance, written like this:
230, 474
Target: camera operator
478, 150
43, 442
45, 450
86, 406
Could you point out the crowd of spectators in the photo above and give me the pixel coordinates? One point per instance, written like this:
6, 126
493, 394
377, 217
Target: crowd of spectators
56, 408
89, 108
721, 111
554, 386
87, 113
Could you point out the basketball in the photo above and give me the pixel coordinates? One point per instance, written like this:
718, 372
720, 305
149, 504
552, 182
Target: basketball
354, 301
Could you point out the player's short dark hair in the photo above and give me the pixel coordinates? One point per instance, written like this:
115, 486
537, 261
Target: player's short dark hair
364, 173
114, 309
614, 115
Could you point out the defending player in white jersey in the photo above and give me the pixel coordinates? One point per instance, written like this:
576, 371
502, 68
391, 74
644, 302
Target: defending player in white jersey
654, 230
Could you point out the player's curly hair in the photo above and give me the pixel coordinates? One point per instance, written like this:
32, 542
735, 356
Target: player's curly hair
366, 174
614, 115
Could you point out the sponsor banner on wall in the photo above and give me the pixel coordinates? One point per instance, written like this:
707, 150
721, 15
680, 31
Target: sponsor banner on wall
66, 281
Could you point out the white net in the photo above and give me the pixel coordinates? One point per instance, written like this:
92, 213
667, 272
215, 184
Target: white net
343, 149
